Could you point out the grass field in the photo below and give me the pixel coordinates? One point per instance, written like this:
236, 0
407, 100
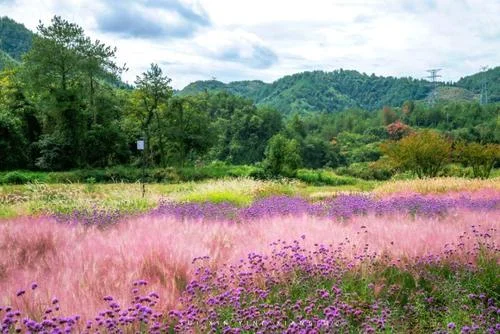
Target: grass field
242, 256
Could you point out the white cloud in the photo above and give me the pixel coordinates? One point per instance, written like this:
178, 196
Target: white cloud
265, 39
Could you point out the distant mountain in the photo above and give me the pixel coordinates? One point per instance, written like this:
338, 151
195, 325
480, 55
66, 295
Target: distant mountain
341, 89
15, 38
475, 82
323, 91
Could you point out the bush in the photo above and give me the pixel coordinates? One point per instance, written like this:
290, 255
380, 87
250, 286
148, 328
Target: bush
22, 177
15, 178
132, 175
367, 171
423, 153
457, 170
282, 156
481, 158
323, 177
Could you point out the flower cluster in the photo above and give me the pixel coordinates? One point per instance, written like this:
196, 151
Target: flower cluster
140, 316
298, 289
94, 216
340, 207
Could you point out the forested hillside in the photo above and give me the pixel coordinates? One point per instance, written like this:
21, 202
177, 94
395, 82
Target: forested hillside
328, 91
15, 38
475, 82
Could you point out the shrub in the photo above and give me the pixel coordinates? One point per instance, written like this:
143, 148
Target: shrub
282, 156
367, 171
22, 177
397, 130
456, 170
423, 153
482, 158
323, 177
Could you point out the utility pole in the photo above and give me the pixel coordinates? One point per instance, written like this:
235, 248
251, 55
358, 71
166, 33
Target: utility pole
484, 86
433, 75
140, 147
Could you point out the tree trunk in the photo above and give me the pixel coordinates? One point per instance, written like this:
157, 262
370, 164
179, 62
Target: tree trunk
160, 134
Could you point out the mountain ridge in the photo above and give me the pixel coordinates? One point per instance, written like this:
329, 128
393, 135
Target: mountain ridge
341, 89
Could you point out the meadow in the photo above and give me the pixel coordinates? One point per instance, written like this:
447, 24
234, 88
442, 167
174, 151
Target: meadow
246, 256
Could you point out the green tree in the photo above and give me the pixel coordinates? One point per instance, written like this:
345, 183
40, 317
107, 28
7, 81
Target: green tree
152, 93
22, 115
54, 61
61, 72
187, 127
282, 156
482, 158
423, 153
12, 142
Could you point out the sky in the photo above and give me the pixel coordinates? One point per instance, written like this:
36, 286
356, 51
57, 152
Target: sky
264, 40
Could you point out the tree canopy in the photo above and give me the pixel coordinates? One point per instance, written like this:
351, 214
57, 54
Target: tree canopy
62, 106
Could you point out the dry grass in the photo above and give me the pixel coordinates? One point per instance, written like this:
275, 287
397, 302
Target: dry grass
437, 185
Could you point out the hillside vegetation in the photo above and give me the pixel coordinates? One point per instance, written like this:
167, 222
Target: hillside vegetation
474, 83
6, 61
342, 89
322, 91
15, 38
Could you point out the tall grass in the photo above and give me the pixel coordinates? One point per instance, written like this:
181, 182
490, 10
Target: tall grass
80, 266
240, 191
437, 185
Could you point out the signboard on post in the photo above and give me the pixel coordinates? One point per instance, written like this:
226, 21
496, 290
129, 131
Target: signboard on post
140, 145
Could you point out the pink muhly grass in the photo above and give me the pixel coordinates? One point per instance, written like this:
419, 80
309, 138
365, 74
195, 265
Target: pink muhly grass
80, 266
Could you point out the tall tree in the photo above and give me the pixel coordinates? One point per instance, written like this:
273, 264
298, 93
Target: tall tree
61, 72
152, 94
187, 128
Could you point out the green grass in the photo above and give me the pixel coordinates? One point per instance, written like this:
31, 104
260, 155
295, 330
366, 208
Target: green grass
219, 197
131, 174
40, 198
240, 191
324, 177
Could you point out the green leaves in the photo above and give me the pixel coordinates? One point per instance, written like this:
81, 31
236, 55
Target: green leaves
423, 153
282, 156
